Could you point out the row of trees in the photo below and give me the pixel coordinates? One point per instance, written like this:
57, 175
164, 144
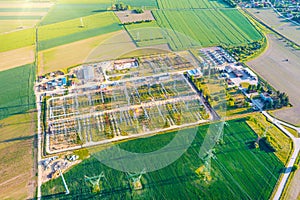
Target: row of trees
280, 100
244, 51
121, 7
232, 3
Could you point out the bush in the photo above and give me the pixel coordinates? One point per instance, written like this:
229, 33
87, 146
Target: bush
139, 10
295, 167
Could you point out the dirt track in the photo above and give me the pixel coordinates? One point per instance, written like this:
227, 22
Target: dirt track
281, 74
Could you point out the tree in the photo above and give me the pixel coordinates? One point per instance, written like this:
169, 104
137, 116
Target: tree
295, 167
139, 10
216, 98
231, 103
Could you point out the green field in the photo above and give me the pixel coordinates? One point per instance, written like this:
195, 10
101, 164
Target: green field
16, 86
26, 9
146, 34
70, 31
191, 4
238, 171
20, 17
17, 39
188, 28
66, 10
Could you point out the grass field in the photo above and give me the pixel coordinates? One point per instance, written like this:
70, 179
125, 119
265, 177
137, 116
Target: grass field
70, 31
171, 4
272, 65
18, 39
238, 171
17, 57
186, 28
16, 144
16, 86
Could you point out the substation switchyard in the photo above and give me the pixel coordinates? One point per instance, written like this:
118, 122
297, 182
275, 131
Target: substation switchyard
121, 99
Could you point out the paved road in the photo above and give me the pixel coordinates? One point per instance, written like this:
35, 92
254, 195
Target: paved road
296, 142
39, 156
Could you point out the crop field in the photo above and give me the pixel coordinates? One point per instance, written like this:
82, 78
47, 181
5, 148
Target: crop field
15, 16
204, 28
17, 179
283, 26
77, 29
65, 56
146, 34
63, 12
281, 142
192, 4
123, 108
17, 57
272, 65
238, 171
12, 40
71, 9
14, 25
17, 90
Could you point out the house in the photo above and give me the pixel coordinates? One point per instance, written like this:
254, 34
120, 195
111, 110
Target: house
228, 69
86, 73
250, 73
125, 64
196, 73
266, 97
237, 73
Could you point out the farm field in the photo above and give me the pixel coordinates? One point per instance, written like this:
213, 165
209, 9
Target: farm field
146, 34
293, 190
17, 179
283, 26
12, 40
77, 29
7, 26
283, 144
71, 9
17, 57
192, 4
238, 170
282, 75
69, 55
114, 47
205, 28
16, 86
19, 15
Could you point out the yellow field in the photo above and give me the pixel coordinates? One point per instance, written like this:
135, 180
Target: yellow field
284, 143
22, 13
115, 47
20, 4
17, 57
68, 55
16, 166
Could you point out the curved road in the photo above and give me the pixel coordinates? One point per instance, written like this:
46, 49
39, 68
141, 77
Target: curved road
296, 143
